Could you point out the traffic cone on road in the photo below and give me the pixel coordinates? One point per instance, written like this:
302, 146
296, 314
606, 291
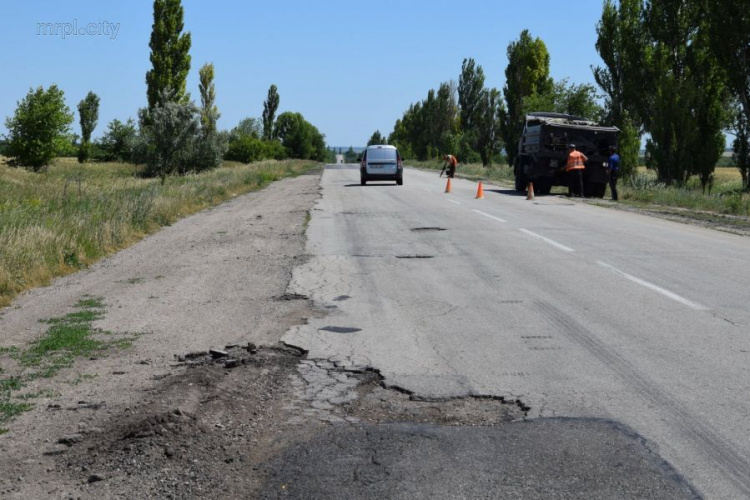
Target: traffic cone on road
480, 191
530, 191
448, 187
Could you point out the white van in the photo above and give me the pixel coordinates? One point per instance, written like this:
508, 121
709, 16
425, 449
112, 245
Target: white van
381, 163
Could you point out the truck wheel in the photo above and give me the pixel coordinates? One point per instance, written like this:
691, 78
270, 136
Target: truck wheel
597, 189
521, 183
542, 187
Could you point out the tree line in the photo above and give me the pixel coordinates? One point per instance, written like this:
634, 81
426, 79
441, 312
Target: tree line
674, 72
173, 134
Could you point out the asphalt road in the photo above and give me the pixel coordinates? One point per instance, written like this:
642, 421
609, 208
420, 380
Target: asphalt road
575, 310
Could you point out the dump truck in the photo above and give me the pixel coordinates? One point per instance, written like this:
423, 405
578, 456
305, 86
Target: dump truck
543, 152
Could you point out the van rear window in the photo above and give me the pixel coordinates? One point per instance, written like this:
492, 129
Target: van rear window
375, 155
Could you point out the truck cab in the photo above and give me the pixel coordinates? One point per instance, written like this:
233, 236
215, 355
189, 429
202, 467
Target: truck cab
543, 152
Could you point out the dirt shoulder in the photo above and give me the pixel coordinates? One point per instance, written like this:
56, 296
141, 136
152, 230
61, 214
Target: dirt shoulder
214, 279
735, 224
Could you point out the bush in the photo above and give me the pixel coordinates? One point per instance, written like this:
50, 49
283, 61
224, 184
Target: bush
68, 147
245, 149
206, 152
118, 141
37, 130
170, 132
274, 150
172, 140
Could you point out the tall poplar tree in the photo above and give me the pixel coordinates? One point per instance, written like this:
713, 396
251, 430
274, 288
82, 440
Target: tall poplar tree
470, 95
209, 111
170, 54
88, 111
620, 43
488, 125
270, 106
527, 73
686, 111
730, 43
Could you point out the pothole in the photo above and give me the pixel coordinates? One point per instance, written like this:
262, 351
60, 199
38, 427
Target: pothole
292, 296
418, 229
358, 395
378, 405
341, 329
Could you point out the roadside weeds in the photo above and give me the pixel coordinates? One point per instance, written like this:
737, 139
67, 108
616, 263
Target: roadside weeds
67, 338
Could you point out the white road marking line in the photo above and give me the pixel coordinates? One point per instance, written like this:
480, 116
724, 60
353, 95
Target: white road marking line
490, 216
454, 201
658, 289
428, 190
547, 240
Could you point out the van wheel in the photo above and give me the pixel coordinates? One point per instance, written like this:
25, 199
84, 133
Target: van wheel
362, 181
400, 182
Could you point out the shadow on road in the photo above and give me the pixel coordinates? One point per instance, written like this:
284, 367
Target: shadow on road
370, 185
507, 192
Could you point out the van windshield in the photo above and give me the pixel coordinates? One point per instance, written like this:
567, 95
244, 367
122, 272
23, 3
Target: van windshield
384, 155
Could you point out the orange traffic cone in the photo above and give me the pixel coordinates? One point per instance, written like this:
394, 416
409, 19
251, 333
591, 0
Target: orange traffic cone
448, 187
530, 191
480, 191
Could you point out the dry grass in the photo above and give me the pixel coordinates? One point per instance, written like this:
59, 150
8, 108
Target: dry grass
498, 172
726, 195
61, 220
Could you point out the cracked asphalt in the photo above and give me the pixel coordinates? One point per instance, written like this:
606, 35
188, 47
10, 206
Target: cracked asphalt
567, 309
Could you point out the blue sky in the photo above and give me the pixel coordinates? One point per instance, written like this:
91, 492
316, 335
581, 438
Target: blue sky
349, 67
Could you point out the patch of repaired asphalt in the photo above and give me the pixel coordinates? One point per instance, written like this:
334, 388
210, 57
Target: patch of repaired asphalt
540, 459
255, 422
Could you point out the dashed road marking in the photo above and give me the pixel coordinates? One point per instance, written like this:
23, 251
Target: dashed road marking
454, 201
490, 216
657, 289
547, 240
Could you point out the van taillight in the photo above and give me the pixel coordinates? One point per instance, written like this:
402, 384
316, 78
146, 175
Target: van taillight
398, 161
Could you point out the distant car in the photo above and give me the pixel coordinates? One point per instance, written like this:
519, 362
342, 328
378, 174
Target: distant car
381, 163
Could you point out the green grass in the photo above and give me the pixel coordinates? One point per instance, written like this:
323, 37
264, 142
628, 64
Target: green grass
83, 377
10, 384
9, 410
726, 196
67, 338
71, 215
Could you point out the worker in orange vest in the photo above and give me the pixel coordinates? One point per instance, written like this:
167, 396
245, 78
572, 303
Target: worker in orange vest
450, 161
575, 167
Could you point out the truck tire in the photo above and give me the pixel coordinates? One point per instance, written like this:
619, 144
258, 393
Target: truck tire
597, 189
542, 187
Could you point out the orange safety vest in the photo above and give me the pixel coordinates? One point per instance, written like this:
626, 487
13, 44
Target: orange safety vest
576, 161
